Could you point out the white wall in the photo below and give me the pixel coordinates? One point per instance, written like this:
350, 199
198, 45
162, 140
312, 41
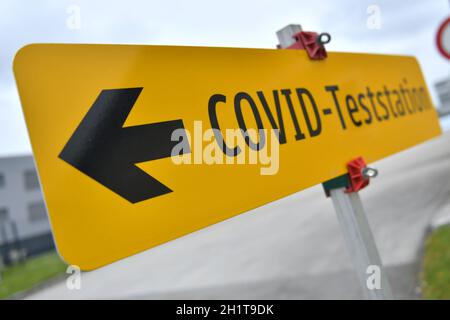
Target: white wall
16, 198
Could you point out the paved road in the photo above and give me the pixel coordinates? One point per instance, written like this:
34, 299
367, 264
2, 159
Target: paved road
291, 248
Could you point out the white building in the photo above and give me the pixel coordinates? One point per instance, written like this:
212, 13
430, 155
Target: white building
443, 91
24, 224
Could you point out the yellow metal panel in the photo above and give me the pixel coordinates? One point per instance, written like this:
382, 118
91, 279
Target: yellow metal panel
93, 225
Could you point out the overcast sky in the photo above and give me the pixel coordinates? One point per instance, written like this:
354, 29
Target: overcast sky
404, 27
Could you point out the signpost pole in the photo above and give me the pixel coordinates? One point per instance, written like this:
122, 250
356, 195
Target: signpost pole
343, 190
355, 227
361, 244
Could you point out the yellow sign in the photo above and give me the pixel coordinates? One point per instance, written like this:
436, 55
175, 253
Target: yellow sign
139, 145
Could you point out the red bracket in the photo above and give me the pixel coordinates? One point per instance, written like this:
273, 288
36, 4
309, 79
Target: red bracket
356, 178
309, 42
355, 174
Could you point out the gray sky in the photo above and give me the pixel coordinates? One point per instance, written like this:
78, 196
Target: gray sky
405, 27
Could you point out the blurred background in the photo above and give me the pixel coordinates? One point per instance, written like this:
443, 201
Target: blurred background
277, 267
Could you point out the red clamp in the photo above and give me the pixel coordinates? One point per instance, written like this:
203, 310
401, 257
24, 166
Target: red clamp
356, 178
359, 174
312, 42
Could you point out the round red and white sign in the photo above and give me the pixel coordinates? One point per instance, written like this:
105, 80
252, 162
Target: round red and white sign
443, 38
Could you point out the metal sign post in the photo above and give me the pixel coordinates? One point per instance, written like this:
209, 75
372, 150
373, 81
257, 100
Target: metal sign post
358, 236
360, 242
343, 190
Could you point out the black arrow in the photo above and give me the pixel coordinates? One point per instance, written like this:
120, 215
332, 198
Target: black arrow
107, 152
